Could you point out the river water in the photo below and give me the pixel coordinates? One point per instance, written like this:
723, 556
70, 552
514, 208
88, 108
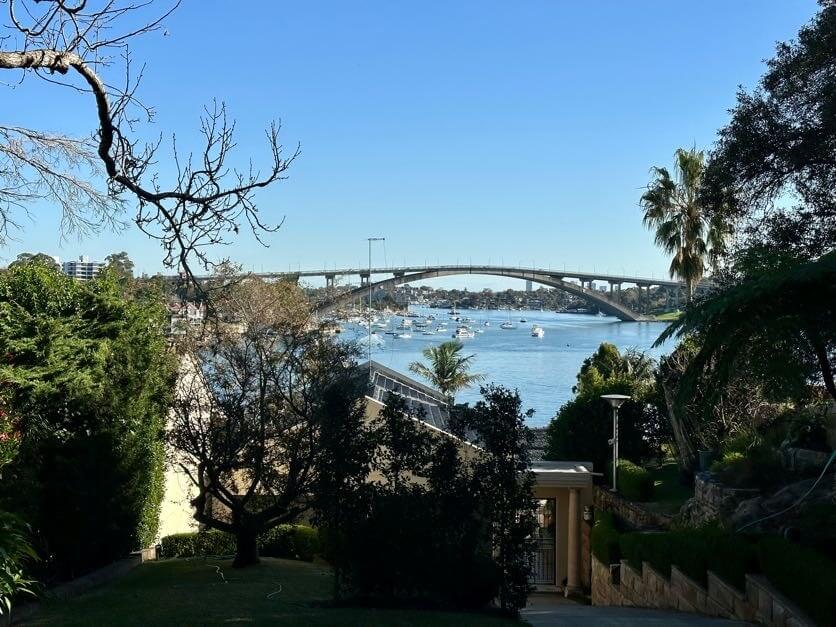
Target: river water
542, 369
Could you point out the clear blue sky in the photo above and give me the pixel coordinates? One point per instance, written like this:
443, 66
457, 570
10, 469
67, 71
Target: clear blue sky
515, 132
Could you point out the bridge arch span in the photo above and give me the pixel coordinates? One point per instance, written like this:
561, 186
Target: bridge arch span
603, 303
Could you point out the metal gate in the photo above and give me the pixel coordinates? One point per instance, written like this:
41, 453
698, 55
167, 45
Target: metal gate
544, 547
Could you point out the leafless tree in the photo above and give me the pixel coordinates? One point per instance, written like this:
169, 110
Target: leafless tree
84, 45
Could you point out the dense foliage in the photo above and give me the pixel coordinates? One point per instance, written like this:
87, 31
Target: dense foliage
582, 427
682, 226
88, 380
254, 393
774, 167
805, 576
634, 481
604, 538
440, 523
287, 541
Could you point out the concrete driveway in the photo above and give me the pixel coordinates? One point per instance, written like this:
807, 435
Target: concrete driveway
545, 610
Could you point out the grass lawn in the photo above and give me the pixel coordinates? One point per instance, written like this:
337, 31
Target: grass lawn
668, 492
669, 316
191, 592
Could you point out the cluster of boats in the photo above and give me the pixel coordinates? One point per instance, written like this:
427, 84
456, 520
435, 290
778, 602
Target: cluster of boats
413, 323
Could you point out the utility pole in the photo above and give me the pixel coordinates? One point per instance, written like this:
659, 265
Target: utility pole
369, 279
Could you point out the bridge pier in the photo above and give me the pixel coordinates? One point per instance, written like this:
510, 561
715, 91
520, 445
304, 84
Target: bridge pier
364, 279
329, 281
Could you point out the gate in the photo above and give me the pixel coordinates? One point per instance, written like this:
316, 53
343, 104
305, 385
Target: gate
545, 536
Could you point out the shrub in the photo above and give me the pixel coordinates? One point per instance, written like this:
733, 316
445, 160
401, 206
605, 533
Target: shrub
694, 552
198, 544
805, 577
759, 467
305, 543
90, 375
604, 538
634, 482
287, 541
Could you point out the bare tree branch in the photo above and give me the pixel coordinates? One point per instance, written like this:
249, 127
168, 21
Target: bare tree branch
208, 200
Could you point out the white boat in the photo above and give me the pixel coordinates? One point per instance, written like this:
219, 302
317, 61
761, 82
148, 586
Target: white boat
487, 323
537, 331
428, 333
406, 323
463, 333
404, 336
507, 325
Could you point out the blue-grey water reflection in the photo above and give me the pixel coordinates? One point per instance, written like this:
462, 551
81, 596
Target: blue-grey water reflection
543, 369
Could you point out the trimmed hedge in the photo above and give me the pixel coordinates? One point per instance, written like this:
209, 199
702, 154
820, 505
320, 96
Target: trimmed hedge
803, 575
288, 541
604, 538
634, 482
694, 552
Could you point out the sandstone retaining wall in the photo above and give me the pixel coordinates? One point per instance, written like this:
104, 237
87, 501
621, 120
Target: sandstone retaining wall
622, 585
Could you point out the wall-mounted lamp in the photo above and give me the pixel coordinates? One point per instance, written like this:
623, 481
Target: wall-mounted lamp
587, 513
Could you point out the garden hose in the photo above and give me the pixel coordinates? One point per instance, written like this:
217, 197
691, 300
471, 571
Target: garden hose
798, 502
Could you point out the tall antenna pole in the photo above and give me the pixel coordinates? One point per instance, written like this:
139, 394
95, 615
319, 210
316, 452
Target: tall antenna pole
369, 319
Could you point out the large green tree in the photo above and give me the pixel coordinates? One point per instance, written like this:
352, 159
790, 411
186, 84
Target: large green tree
682, 227
771, 322
773, 169
249, 408
87, 376
582, 426
448, 370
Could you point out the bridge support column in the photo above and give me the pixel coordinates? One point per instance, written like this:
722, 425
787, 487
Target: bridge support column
329, 281
364, 280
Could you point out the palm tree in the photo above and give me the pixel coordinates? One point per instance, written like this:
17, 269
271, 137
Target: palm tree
448, 370
672, 208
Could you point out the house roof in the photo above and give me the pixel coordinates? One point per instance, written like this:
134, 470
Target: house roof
562, 474
419, 397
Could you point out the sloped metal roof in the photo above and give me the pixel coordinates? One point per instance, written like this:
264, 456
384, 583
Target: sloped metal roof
419, 398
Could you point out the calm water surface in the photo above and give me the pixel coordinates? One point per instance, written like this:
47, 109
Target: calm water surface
542, 369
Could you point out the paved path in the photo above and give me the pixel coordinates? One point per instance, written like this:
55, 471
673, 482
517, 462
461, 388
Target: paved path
547, 610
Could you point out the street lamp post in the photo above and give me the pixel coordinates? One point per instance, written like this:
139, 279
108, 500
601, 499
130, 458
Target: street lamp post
615, 401
369, 313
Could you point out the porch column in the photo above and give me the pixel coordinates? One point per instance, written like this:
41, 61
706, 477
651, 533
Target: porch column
574, 543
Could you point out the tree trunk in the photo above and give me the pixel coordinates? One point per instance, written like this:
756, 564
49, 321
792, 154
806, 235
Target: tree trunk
246, 549
687, 455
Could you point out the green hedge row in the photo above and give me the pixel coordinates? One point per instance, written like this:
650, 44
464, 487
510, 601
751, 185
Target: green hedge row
694, 552
604, 538
804, 576
288, 541
634, 482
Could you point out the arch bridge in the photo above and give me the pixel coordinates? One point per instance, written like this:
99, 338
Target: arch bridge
549, 278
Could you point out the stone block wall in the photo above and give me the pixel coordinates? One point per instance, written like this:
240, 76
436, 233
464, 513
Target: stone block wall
633, 513
622, 585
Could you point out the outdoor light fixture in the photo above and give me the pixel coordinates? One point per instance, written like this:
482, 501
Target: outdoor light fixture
615, 401
587, 513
